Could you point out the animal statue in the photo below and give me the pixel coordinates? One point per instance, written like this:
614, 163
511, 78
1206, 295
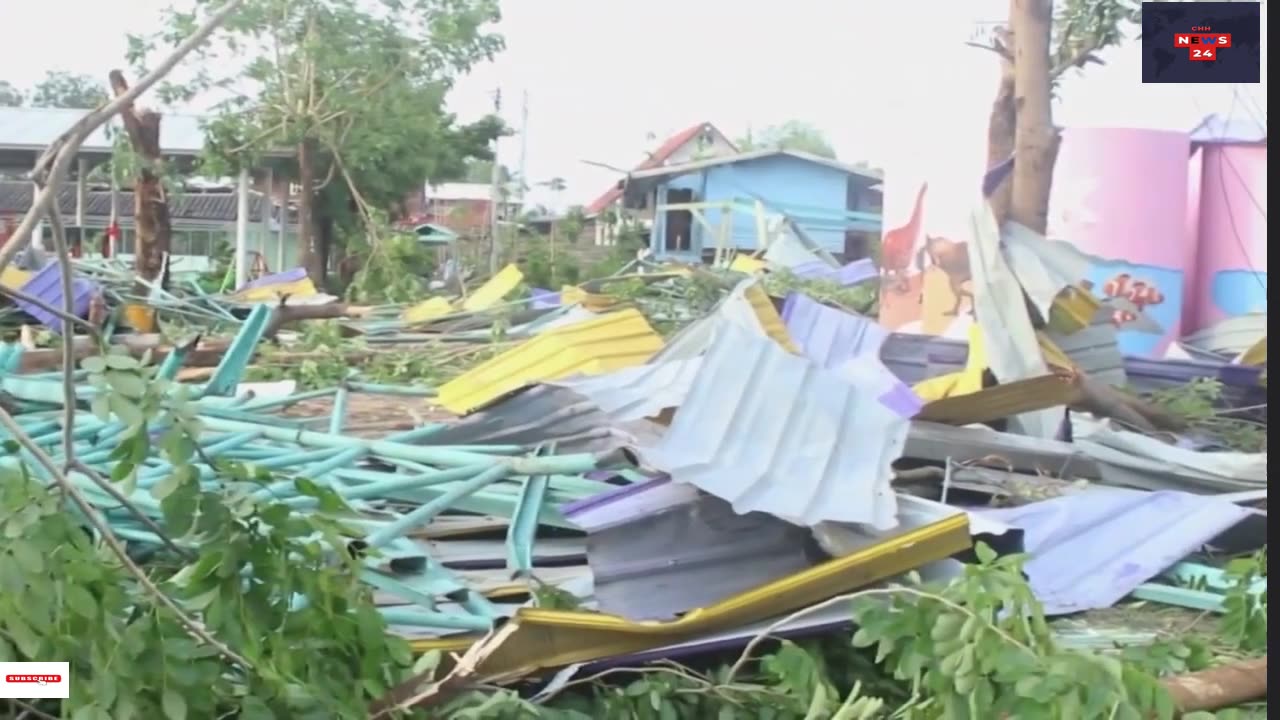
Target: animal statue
952, 258
898, 244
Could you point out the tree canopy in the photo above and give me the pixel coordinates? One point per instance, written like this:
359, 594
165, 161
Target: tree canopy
10, 96
354, 92
791, 135
69, 90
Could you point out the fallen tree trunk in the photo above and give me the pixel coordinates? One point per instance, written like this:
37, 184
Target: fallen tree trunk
1219, 687
285, 314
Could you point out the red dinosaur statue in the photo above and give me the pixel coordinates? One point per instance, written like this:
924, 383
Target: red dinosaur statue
896, 250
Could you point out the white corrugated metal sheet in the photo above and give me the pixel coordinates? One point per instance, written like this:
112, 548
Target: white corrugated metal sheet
770, 431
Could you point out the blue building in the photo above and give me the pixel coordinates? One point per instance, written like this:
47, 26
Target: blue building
724, 202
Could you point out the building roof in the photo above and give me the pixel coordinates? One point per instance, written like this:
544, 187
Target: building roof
15, 198
640, 181
34, 129
1241, 129
655, 160
460, 191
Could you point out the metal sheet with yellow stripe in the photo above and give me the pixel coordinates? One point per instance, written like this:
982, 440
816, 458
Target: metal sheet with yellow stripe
609, 342
537, 639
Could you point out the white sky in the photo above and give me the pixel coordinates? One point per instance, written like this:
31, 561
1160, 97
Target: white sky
879, 77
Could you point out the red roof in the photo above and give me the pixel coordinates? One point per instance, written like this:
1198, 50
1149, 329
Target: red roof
659, 156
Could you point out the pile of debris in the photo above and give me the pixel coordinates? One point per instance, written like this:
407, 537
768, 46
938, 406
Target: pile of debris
670, 460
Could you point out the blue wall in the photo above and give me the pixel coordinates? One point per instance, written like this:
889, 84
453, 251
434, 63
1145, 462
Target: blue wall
797, 187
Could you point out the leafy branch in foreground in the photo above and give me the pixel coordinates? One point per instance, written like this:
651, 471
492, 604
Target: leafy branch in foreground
980, 648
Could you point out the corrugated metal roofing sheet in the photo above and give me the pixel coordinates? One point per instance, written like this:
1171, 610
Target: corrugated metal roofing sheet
747, 306
637, 392
537, 638
1232, 336
46, 284
828, 336
1013, 351
850, 274
15, 197
1094, 349
494, 290
604, 343
690, 555
770, 431
545, 413
1090, 549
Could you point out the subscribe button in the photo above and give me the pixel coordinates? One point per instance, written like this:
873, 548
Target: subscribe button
33, 680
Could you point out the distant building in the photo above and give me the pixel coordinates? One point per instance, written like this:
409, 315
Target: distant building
698, 142
716, 202
464, 207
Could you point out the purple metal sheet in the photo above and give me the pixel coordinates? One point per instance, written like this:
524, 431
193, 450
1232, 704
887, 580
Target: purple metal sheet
286, 276
828, 336
47, 286
851, 274
1090, 549
542, 299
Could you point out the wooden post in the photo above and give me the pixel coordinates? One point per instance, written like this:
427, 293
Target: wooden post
37, 235
282, 229
265, 216
242, 229
82, 170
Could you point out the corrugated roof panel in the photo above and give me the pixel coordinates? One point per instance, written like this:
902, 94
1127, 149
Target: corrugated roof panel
536, 638
747, 306
690, 555
494, 290
1094, 349
637, 392
850, 274
828, 336
605, 343
46, 284
1090, 549
770, 431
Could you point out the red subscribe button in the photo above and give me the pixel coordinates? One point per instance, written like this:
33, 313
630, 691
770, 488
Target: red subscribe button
37, 679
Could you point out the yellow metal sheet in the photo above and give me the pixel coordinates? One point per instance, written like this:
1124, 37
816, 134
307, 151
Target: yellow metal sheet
963, 382
599, 345
552, 638
570, 295
428, 309
1054, 356
265, 293
747, 264
140, 317
13, 278
1002, 401
770, 320
1072, 310
492, 292
1255, 355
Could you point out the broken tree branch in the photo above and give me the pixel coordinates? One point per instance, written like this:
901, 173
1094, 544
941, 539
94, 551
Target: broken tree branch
58, 156
1219, 687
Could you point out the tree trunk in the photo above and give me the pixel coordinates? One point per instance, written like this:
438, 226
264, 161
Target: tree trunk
1036, 144
1002, 130
312, 257
151, 222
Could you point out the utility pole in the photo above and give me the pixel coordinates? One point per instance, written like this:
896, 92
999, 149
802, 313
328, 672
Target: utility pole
524, 143
495, 191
